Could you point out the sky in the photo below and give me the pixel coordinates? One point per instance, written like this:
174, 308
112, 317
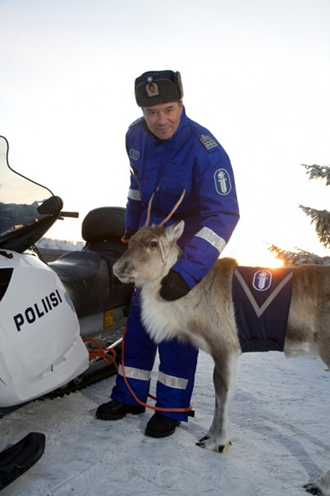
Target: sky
256, 73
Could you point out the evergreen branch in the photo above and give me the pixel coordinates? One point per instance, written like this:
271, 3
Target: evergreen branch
301, 257
318, 171
321, 219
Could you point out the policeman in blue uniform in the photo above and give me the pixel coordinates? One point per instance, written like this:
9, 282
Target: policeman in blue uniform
169, 153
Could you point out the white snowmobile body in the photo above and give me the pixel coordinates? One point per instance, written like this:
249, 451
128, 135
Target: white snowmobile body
41, 348
47, 309
40, 344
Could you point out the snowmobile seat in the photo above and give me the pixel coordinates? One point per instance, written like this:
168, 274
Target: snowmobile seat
87, 274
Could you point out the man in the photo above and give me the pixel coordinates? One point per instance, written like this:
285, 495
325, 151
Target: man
170, 153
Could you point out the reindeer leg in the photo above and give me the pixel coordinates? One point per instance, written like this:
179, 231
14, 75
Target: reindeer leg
225, 367
320, 486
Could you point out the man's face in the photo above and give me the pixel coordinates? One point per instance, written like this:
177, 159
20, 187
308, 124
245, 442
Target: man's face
164, 119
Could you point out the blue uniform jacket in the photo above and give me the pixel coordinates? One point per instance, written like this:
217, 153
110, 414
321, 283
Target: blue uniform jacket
193, 160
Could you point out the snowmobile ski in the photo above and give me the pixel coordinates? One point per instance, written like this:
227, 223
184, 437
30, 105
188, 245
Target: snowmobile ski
17, 459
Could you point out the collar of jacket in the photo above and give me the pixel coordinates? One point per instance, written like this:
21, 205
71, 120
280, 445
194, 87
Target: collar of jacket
179, 136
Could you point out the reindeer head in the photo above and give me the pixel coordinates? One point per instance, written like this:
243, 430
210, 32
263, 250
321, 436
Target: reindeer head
151, 253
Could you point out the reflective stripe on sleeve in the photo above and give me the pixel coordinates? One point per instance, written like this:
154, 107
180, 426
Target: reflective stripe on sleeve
212, 238
134, 194
133, 373
171, 381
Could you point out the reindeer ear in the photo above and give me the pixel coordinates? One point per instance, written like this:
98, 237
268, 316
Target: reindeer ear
175, 231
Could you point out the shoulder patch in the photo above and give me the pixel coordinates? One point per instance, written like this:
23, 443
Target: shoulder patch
135, 122
222, 182
207, 141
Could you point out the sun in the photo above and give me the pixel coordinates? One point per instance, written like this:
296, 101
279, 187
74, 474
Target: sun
255, 257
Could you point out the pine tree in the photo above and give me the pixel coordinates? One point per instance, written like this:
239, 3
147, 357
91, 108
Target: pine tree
321, 220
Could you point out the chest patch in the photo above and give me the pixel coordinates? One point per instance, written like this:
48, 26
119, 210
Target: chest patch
262, 300
134, 154
207, 141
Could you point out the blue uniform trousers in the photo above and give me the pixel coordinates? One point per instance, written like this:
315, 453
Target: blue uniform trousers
176, 370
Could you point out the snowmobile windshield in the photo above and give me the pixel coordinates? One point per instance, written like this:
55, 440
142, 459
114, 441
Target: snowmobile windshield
27, 209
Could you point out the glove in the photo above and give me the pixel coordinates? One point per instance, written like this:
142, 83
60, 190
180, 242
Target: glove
173, 286
127, 236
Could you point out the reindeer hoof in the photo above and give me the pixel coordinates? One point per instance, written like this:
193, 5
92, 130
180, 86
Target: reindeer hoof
212, 445
224, 447
201, 442
310, 488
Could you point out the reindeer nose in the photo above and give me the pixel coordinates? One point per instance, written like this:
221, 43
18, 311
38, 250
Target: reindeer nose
120, 267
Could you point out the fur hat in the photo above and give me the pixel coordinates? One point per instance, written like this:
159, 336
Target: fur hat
156, 87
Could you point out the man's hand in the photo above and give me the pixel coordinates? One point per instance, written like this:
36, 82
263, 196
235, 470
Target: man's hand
127, 236
173, 286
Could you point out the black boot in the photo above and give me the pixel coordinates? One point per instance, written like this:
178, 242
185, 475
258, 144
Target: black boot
113, 410
161, 426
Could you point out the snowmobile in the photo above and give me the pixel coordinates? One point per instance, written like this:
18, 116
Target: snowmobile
56, 318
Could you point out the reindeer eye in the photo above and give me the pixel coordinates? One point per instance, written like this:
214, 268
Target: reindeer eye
153, 244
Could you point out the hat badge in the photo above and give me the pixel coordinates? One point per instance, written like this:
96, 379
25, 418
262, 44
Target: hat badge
151, 87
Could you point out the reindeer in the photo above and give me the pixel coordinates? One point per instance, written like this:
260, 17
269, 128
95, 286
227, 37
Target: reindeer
205, 317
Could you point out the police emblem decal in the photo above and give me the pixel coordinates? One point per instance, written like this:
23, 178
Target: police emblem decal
152, 88
262, 280
222, 182
134, 154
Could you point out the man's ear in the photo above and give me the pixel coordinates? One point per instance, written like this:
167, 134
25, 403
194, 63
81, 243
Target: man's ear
174, 232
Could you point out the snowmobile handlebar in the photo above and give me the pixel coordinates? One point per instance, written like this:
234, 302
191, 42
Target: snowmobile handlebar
69, 214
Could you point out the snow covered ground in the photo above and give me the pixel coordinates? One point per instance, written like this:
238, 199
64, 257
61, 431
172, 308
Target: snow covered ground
280, 419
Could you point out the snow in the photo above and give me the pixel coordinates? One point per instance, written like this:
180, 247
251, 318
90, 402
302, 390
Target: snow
279, 418
59, 244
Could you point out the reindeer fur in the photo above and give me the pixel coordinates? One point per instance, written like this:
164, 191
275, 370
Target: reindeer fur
205, 317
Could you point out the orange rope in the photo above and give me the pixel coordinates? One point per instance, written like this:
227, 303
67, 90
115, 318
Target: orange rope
101, 352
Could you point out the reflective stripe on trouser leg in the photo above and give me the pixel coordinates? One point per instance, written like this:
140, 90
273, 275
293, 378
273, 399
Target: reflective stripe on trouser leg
176, 376
140, 352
